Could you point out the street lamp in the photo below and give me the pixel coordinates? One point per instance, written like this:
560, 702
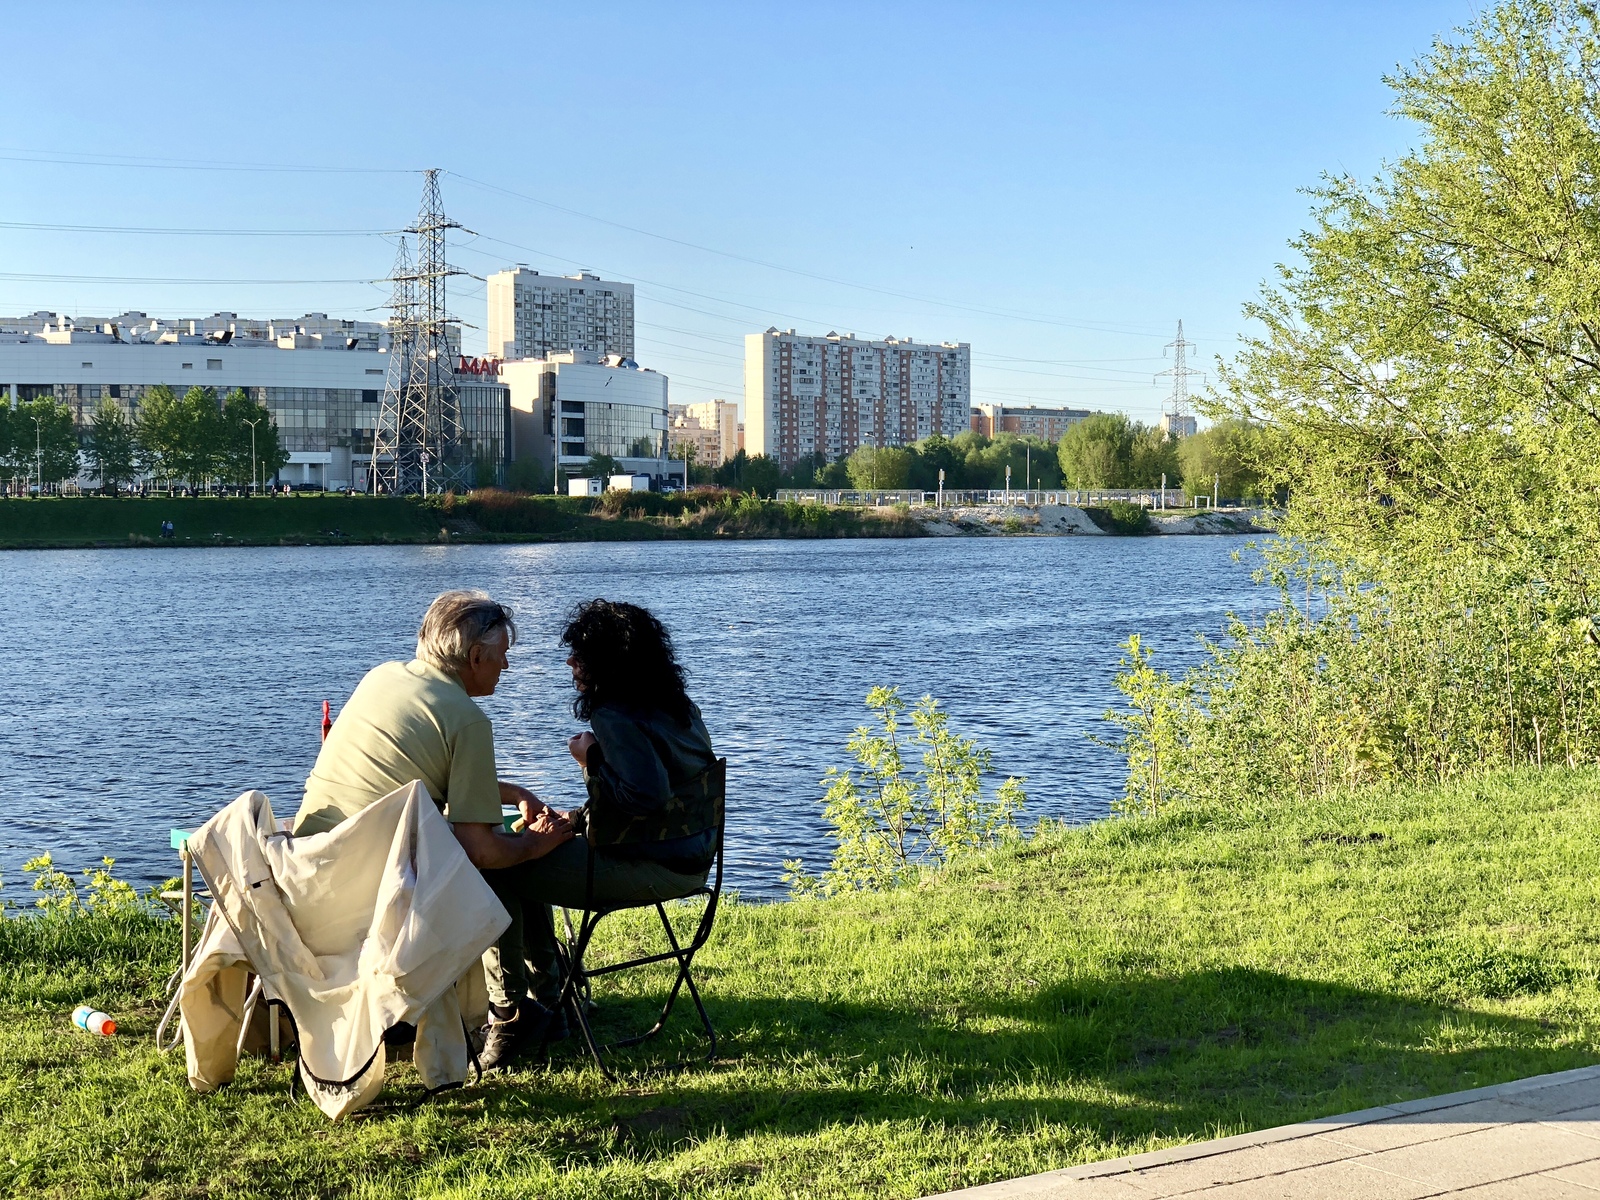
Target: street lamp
252, 425
38, 453
426, 457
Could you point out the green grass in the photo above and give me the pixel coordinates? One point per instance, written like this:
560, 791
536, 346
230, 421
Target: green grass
489, 516
1086, 994
209, 521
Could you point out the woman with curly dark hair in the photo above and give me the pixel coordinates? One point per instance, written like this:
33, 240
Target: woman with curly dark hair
645, 746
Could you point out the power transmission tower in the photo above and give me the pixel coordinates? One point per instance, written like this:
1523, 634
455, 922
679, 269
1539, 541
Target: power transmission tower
1175, 418
419, 440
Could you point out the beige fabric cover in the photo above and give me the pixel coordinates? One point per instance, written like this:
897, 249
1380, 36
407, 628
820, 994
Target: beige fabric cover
382, 919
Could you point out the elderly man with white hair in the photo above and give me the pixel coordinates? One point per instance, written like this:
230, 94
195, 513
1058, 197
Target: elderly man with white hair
418, 720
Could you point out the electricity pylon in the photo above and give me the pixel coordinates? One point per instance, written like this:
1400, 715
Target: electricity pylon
419, 441
1175, 418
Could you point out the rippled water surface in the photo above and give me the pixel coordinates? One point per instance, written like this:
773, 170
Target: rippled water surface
140, 690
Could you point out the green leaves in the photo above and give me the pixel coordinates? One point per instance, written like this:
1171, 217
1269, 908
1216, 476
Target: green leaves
1427, 390
195, 439
887, 820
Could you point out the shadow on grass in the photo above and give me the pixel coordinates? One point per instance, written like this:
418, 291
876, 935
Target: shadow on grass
1119, 1059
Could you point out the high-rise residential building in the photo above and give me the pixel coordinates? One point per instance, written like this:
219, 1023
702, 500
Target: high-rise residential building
711, 427
827, 395
1029, 421
537, 316
1177, 425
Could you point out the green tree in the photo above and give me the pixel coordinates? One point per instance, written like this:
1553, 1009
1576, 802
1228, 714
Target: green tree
601, 466
183, 436
1226, 454
1424, 380
1152, 456
236, 464
750, 473
110, 450
45, 440
1097, 452
879, 468
527, 475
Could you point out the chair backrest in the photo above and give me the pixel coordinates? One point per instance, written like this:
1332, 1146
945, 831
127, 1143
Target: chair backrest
698, 805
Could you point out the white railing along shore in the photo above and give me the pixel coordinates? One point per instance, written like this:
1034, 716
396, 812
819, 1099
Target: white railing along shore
1158, 499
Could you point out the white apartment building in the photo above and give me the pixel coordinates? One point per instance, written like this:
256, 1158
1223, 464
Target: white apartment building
569, 407
536, 316
711, 427
992, 420
827, 395
323, 390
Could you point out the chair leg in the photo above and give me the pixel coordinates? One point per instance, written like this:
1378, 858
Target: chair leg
568, 998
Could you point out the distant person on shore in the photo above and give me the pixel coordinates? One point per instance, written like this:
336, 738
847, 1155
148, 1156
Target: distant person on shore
647, 742
417, 720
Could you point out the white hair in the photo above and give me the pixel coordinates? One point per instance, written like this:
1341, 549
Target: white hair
456, 622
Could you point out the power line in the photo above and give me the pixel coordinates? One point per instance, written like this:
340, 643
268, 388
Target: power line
39, 227
20, 154
1097, 327
27, 277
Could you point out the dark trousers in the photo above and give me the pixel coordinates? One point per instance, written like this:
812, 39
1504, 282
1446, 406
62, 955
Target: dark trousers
523, 962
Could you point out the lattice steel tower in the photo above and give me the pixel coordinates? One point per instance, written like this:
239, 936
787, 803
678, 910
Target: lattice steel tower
1175, 417
419, 437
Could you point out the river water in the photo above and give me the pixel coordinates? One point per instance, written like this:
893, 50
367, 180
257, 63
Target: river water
144, 689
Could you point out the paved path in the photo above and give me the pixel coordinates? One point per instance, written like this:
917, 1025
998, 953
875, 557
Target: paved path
1534, 1139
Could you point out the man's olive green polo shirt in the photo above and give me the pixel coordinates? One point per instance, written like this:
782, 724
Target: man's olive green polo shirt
404, 721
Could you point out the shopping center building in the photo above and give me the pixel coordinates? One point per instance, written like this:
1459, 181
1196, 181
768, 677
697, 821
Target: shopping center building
320, 378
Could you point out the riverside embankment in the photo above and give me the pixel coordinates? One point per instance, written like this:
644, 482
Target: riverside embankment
489, 516
1079, 995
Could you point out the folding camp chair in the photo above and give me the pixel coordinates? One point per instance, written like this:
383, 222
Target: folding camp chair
575, 988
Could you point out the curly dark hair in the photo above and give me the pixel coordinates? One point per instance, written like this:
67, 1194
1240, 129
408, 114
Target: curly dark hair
624, 656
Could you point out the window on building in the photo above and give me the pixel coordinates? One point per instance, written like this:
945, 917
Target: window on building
213, 364
369, 395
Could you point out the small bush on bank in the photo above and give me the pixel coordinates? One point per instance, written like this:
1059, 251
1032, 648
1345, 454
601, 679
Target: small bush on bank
889, 820
1121, 517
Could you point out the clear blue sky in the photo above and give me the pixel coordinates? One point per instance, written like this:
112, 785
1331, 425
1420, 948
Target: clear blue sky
1055, 184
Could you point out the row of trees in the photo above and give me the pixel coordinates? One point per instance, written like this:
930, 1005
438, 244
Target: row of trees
1105, 451
194, 438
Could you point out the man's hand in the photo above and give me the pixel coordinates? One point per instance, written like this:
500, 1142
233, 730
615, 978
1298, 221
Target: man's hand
578, 746
533, 810
489, 848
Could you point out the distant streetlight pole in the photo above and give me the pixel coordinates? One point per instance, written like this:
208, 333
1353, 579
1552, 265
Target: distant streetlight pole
253, 489
1028, 478
1216, 481
1008, 483
38, 453
425, 457
941, 487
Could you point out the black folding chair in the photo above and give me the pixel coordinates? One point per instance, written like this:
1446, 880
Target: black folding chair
711, 787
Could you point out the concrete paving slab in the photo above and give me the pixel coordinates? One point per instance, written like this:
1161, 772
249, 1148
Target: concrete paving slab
1532, 1138
1415, 1128
1487, 1155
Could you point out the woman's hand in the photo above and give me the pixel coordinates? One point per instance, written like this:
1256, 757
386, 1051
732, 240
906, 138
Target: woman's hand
578, 746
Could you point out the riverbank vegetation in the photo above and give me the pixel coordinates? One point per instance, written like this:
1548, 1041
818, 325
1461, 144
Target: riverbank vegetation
481, 516
1427, 375
1079, 994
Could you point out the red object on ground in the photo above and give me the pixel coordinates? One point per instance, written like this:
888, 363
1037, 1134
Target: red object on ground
327, 720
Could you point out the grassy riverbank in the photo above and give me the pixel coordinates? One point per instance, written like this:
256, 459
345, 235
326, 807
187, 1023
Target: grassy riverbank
1090, 993
93, 521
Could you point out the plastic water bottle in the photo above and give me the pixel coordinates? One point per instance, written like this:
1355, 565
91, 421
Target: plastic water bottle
93, 1020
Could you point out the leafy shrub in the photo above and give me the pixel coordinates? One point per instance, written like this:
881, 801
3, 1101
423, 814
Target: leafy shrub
888, 820
1121, 517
